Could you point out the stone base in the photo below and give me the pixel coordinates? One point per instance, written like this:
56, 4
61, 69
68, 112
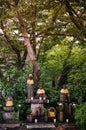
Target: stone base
47, 126
29, 118
12, 125
8, 109
37, 101
10, 116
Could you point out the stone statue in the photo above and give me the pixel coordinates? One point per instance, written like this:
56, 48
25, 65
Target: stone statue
9, 104
9, 101
36, 100
64, 94
40, 92
66, 103
30, 86
8, 109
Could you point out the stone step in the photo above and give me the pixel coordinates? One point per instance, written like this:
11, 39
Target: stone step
11, 125
44, 126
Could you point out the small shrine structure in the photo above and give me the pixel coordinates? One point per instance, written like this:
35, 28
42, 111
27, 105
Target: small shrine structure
36, 111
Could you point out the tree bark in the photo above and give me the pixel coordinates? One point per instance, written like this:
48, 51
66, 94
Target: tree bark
33, 26
29, 48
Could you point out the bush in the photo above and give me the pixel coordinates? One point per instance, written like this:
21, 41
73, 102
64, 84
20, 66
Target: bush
80, 116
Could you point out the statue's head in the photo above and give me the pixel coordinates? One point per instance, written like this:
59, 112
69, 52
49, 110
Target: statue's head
9, 98
30, 76
64, 86
40, 86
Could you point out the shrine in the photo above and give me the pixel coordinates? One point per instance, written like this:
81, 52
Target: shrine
38, 115
36, 109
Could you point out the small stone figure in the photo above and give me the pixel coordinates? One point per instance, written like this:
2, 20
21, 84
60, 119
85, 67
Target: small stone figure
30, 86
64, 94
9, 102
8, 109
65, 100
41, 92
64, 90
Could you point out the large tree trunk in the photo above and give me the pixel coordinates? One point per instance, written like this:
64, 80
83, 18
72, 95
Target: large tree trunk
29, 48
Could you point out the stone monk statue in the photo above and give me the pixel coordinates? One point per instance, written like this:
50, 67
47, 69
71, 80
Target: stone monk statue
30, 86
40, 92
64, 94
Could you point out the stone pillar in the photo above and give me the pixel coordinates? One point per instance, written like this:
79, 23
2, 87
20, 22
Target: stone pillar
30, 89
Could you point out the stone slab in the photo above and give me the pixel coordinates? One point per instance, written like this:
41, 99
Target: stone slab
37, 101
10, 125
41, 126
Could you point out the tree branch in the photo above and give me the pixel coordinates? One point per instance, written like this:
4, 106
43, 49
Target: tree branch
29, 48
15, 49
76, 20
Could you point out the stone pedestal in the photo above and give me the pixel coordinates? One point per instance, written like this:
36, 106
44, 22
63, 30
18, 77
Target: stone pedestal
8, 116
64, 97
9, 109
8, 113
37, 109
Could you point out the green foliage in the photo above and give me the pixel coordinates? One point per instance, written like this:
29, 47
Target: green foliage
60, 107
80, 116
16, 87
29, 111
51, 92
52, 65
77, 78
